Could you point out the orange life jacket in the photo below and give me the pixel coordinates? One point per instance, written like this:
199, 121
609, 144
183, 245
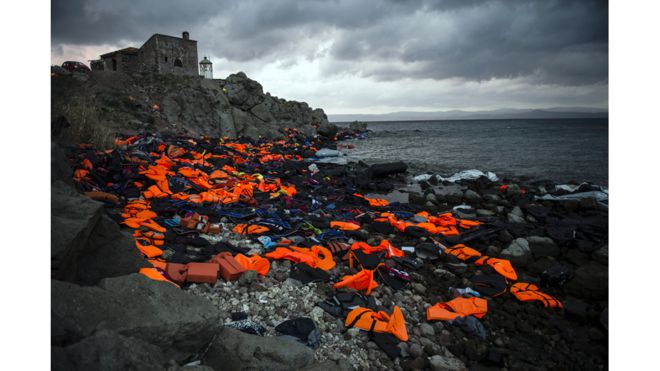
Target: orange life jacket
462, 252
501, 266
288, 254
344, 226
149, 251
384, 245
250, 229
530, 292
362, 280
155, 275
323, 258
458, 307
254, 263
368, 320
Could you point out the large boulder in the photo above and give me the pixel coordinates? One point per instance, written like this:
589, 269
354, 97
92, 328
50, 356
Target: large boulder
235, 350
590, 281
110, 351
178, 322
86, 245
327, 130
518, 252
446, 363
543, 246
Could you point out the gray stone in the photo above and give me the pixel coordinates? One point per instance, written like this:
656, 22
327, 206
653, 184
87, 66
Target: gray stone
327, 130
443, 273
485, 212
493, 251
471, 196
427, 330
512, 190
431, 198
108, 350
178, 322
513, 218
518, 252
419, 288
590, 281
451, 193
543, 246
416, 350
247, 278
87, 245
236, 350
601, 256
446, 363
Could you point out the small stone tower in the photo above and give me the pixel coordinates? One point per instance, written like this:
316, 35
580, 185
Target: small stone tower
206, 68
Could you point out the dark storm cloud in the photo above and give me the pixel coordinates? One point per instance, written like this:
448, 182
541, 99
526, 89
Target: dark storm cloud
545, 41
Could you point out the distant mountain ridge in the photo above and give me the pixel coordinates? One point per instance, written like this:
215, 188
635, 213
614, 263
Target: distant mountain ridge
505, 113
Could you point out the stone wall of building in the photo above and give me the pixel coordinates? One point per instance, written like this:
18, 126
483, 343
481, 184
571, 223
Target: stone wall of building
124, 63
169, 55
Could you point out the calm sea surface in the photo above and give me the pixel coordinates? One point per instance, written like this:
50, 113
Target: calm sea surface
560, 150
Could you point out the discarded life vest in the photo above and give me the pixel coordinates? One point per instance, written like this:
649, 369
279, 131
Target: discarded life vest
501, 266
458, 307
254, 263
155, 275
294, 256
369, 320
322, 256
373, 202
462, 252
344, 226
530, 292
250, 229
384, 245
361, 281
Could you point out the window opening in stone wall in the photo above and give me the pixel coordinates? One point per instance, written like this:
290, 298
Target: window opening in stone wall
114, 65
178, 63
165, 58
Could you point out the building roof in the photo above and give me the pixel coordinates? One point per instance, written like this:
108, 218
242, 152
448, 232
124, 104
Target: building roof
171, 37
130, 50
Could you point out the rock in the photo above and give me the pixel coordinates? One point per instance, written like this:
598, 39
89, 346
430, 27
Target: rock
513, 218
491, 198
485, 212
576, 257
450, 193
590, 281
427, 330
431, 198
247, 277
353, 332
518, 252
443, 274
108, 350
446, 363
457, 268
134, 306
419, 288
601, 255
542, 246
236, 350
87, 245
575, 307
415, 350
405, 351
471, 196
493, 251
505, 236
358, 126
327, 130
512, 190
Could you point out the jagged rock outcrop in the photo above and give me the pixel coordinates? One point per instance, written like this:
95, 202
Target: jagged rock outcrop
95, 109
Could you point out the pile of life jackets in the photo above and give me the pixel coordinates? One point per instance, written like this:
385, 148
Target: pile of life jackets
201, 173
445, 224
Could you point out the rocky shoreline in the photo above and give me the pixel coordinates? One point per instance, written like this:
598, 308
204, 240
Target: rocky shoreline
553, 238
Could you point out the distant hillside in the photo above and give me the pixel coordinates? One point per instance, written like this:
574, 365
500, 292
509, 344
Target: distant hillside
546, 113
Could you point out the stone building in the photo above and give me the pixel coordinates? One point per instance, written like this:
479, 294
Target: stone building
159, 54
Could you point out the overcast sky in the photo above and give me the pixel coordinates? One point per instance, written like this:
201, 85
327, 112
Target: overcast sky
371, 56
